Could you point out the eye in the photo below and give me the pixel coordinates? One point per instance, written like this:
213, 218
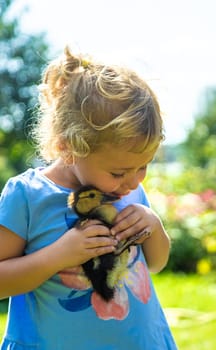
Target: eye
117, 176
91, 195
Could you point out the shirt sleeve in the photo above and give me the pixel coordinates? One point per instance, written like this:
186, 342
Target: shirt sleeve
143, 197
14, 207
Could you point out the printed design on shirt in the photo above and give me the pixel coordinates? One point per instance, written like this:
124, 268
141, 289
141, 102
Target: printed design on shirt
135, 281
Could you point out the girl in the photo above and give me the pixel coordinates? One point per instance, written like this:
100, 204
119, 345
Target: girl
100, 125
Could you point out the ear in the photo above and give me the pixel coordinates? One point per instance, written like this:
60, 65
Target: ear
68, 158
65, 152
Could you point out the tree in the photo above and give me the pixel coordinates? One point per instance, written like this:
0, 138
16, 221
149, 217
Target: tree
22, 58
198, 150
200, 144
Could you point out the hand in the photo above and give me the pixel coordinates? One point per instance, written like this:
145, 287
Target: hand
82, 243
135, 220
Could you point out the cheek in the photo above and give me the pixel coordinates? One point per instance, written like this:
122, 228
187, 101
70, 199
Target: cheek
102, 181
106, 183
142, 175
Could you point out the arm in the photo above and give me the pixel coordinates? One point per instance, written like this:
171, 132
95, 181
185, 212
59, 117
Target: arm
156, 248
134, 219
21, 274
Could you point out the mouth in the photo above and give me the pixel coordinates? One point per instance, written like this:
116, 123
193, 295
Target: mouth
110, 197
120, 195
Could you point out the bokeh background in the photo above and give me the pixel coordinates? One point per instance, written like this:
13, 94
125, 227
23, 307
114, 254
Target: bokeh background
172, 45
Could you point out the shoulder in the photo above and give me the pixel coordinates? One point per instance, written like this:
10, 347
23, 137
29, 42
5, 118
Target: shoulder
14, 206
143, 199
22, 179
14, 185
18, 188
23, 187
19, 184
30, 182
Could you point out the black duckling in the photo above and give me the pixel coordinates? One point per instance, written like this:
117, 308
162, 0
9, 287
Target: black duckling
103, 271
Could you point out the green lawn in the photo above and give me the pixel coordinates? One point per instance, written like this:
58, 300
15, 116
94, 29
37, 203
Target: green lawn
190, 304
3, 310
2, 324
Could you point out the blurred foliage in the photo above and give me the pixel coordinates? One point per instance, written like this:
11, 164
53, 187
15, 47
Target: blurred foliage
183, 192
189, 217
196, 155
22, 58
199, 147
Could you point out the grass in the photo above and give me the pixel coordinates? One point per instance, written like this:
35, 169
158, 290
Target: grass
3, 310
189, 302
2, 324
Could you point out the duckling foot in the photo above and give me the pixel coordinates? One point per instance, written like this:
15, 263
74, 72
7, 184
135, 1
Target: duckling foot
131, 241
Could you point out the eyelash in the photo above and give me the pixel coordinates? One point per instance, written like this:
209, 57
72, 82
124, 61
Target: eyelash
117, 176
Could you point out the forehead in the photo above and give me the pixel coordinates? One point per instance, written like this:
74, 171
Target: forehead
120, 158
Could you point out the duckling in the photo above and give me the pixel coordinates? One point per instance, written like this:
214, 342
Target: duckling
104, 271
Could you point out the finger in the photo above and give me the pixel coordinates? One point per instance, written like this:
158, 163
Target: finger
96, 230
124, 213
131, 220
130, 231
100, 242
88, 222
102, 250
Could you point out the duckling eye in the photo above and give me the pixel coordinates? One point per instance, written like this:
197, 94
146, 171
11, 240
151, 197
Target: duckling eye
91, 195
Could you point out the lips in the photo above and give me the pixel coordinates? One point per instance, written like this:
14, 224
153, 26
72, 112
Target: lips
110, 197
120, 195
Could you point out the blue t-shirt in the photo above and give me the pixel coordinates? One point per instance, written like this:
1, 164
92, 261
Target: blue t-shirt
64, 313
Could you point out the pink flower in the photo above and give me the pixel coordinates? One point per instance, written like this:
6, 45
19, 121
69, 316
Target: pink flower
137, 281
75, 278
189, 205
135, 278
209, 197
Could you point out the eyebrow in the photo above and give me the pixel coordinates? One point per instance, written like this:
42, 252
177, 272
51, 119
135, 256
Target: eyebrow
131, 168
126, 169
122, 169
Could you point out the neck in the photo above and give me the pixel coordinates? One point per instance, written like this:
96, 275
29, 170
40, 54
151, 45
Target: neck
62, 174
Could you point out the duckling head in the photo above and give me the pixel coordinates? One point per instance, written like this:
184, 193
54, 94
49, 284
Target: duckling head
87, 199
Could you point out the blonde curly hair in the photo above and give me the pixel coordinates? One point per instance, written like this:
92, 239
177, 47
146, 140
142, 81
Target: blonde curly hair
85, 104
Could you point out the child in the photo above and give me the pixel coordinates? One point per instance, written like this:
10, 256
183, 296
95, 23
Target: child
100, 125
